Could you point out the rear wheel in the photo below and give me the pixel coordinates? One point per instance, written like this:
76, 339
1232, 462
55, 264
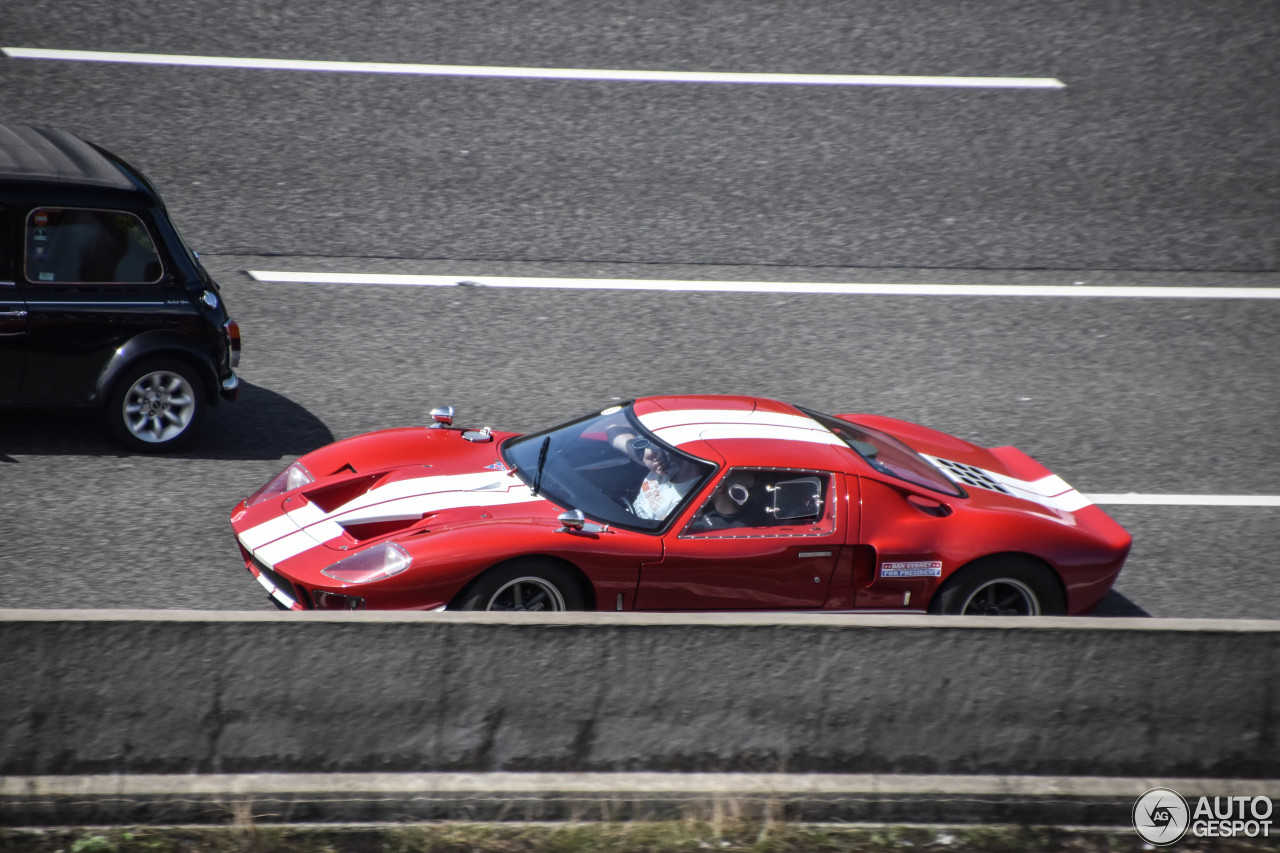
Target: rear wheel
1001, 586
156, 405
537, 586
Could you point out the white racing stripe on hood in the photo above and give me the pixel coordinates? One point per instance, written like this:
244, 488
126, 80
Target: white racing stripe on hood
255, 537
682, 426
364, 511
309, 526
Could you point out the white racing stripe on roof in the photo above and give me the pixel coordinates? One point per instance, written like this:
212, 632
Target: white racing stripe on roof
681, 426
662, 419
677, 435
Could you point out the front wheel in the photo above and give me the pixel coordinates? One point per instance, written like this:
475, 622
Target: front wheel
1001, 586
156, 405
525, 585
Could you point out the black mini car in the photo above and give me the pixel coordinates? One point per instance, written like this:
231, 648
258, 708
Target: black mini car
101, 303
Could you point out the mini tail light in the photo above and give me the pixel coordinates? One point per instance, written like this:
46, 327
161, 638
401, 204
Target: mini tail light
336, 601
232, 329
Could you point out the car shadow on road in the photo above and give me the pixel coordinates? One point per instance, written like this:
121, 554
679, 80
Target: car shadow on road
261, 424
1116, 604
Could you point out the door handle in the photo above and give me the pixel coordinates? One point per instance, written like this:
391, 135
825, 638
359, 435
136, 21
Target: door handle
929, 506
12, 315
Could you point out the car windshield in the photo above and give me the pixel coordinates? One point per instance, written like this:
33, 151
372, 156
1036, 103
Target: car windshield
888, 455
610, 467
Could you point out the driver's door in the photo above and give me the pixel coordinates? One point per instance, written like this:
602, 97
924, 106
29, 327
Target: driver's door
782, 555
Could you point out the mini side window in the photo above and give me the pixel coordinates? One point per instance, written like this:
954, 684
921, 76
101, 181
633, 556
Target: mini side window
767, 502
77, 246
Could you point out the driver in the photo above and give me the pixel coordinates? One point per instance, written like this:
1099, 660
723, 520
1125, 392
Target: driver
669, 479
734, 504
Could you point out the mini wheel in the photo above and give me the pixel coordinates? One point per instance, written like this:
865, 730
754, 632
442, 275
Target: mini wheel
526, 586
156, 405
1001, 586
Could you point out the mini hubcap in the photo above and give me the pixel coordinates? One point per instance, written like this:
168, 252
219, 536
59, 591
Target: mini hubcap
159, 406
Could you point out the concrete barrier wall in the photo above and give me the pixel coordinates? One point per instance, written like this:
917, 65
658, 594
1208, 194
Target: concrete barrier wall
156, 692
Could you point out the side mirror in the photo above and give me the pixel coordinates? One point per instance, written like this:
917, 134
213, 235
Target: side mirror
572, 520
442, 415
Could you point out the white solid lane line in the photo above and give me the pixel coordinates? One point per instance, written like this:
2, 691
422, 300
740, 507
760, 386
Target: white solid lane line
1186, 500
784, 287
641, 76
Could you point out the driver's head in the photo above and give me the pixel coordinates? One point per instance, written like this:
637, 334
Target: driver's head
735, 490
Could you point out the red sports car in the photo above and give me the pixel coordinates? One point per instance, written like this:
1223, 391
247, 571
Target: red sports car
678, 504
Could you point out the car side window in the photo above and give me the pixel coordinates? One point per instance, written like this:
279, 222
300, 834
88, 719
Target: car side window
79, 246
766, 502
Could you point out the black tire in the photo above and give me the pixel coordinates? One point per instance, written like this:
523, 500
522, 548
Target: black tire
1001, 586
525, 585
156, 405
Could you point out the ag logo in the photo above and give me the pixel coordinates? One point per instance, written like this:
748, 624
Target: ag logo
1161, 816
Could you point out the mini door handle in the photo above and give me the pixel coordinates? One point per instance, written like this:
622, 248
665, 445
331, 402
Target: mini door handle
16, 315
805, 554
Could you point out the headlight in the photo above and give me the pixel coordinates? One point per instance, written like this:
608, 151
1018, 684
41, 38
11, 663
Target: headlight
287, 480
380, 561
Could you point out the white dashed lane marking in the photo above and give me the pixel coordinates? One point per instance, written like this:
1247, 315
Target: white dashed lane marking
1187, 500
615, 75
783, 287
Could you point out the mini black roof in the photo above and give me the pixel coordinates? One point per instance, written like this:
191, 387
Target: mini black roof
49, 154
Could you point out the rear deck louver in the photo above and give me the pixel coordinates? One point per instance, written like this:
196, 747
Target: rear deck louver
969, 475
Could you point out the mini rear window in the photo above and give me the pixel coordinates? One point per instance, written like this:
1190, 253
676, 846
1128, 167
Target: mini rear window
79, 246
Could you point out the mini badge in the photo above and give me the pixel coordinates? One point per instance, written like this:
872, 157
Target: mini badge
496, 466
924, 569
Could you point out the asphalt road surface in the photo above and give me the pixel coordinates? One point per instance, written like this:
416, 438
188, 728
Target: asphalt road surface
1154, 163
